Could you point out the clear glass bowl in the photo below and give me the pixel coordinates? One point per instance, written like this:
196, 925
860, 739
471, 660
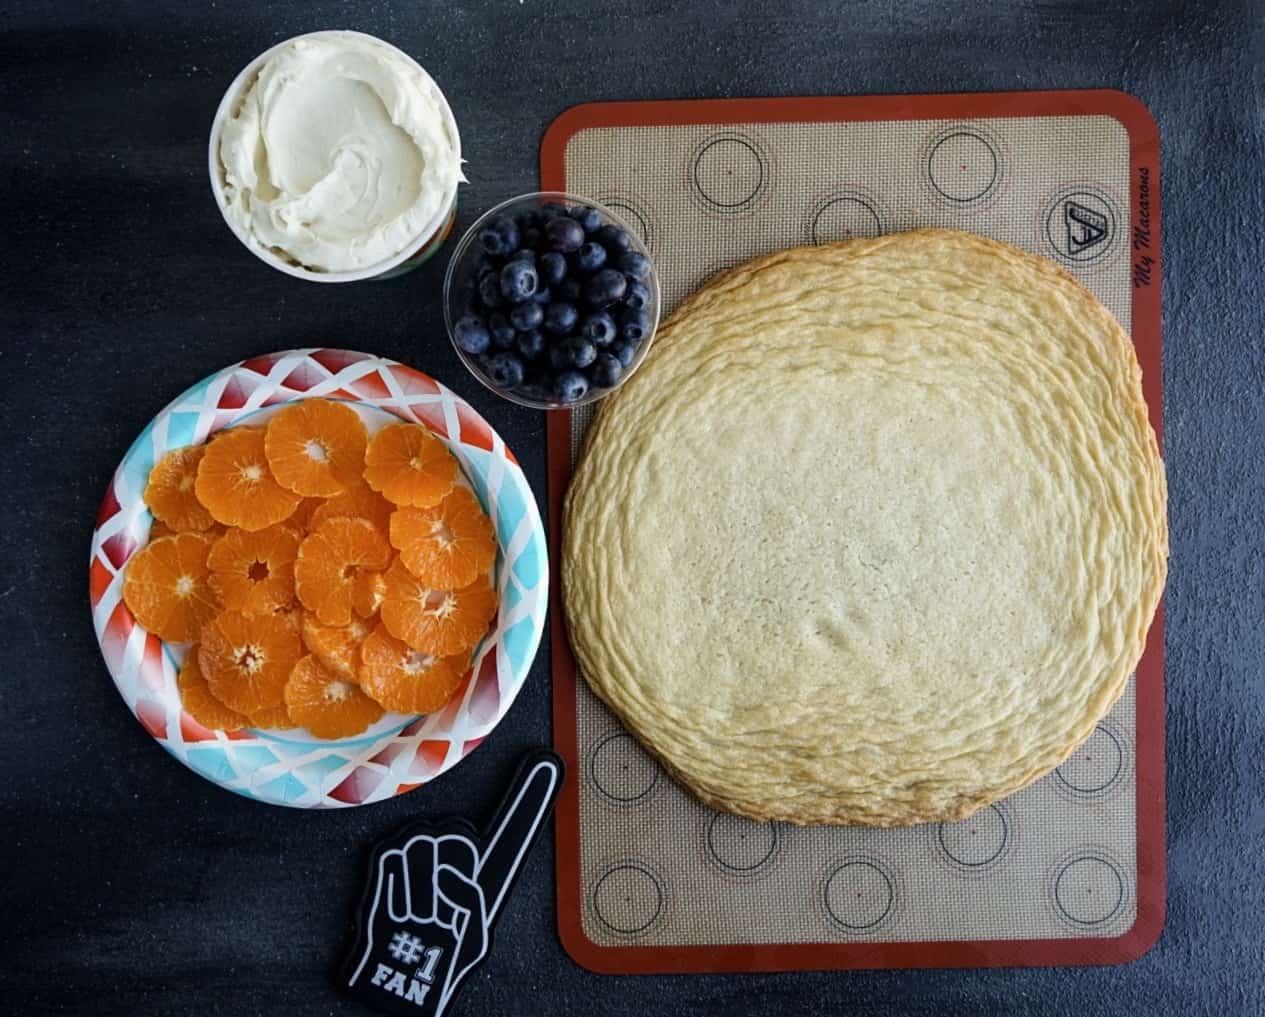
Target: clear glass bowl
462, 275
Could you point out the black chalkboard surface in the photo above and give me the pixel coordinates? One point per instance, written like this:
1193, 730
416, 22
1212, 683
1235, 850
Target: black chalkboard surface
134, 887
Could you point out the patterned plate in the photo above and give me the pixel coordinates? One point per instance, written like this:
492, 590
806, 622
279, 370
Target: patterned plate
398, 753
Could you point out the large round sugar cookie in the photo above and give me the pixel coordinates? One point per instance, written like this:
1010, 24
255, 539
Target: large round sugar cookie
875, 534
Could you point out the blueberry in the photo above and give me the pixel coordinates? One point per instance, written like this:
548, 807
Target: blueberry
559, 358
499, 237
598, 328
590, 257
531, 236
552, 268
564, 234
571, 386
634, 326
518, 281
605, 288
560, 318
551, 210
528, 220
606, 371
472, 335
613, 238
635, 264
588, 217
570, 290
531, 344
490, 290
501, 330
525, 317
580, 352
524, 254
637, 298
505, 370
624, 353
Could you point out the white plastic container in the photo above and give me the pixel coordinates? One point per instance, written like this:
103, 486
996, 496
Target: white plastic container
430, 237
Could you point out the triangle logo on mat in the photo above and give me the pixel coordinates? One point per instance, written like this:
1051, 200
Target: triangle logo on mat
1085, 227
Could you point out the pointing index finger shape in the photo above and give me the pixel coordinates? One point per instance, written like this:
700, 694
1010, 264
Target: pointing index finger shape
393, 885
419, 855
516, 826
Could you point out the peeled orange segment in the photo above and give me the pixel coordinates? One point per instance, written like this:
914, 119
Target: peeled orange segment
358, 502
438, 622
292, 615
328, 561
337, 647
166, 587
159, 529
448, 546
170, 494
236, 484
276, 718
368, 589
247, 659
405, 680
410, 466
326, 704
254, 571
316, 447
300, 519
200, 704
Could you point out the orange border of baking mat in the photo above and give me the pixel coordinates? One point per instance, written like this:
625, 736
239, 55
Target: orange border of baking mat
1143, 167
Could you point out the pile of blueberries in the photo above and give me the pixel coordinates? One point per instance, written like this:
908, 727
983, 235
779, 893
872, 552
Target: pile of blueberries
558, 305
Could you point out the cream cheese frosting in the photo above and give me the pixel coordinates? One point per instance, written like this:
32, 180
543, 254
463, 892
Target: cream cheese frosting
340, 154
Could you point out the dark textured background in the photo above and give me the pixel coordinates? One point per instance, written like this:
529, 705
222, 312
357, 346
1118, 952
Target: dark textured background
132, 886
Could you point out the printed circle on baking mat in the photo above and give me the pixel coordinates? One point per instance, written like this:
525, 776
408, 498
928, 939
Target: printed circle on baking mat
621, 770
1081, 224
978, 842
1088, 888
740, 845
730, 171
964, 164
634, 215
860, 894
844, 215
1096, 767
629, 898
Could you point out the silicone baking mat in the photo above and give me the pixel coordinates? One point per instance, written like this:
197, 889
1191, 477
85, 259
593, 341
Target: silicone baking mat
1071, 869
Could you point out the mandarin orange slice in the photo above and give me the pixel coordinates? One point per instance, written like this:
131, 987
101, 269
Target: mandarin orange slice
254, 572
159, 529
316, 447
236, 484
247, 659
292, 615
405, 680
166, 587
328, 562
169, 492
410, 466
198, 701
359, 502
326, 704
301, 518
337, 647
367, 591
448, 546
439, 622
275, 718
